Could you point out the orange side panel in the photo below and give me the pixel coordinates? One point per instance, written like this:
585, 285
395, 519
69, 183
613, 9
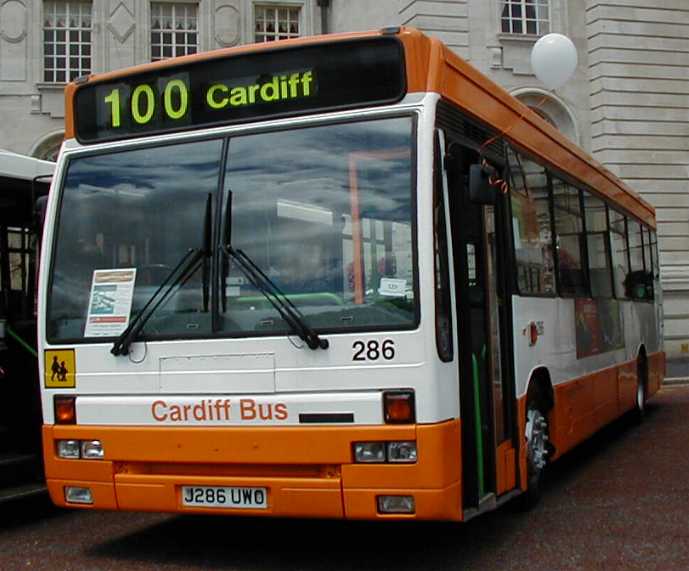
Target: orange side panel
586, 404
605, 396
572, 415
505, 459
656, 372
626, 383
521, 431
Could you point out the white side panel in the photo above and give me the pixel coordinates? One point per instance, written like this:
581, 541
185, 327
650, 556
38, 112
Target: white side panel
556, 348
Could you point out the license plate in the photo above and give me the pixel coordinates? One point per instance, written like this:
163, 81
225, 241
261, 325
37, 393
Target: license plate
225, 497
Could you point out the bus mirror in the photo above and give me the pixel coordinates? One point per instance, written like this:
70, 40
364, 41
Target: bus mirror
480, 189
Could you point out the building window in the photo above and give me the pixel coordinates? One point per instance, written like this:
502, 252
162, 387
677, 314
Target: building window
174, 30
276, 23
525, 17
66, 40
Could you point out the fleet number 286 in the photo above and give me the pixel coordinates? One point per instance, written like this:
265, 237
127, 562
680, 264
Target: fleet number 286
373, 350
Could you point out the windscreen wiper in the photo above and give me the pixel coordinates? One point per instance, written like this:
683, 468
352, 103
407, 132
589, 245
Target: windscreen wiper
282, 304
179, 275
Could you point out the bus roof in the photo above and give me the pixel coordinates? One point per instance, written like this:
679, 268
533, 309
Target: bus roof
15, 166
432, 67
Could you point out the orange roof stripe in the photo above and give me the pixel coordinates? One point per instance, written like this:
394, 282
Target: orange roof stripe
433, 67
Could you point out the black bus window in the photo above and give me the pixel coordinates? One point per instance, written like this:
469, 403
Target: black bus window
619, 252
531, 226
569, 239
600, 265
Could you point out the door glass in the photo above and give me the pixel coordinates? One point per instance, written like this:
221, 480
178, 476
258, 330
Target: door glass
494, 325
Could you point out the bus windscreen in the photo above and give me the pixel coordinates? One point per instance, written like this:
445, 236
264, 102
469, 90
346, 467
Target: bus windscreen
247, 87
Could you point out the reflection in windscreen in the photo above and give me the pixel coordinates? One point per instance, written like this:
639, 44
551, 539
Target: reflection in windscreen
139, 209
326, 213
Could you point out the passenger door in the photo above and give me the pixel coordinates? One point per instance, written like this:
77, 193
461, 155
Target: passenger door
484, 335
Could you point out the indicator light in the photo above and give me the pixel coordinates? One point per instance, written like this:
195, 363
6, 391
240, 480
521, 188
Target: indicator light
398, 407
65, 410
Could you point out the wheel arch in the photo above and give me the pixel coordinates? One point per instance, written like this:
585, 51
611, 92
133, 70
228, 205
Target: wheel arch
539, 389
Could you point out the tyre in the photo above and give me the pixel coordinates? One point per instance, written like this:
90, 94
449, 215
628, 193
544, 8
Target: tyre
639, 410
536, 440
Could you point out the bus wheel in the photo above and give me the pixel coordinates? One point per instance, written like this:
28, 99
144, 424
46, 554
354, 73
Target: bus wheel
640, 402
537, 449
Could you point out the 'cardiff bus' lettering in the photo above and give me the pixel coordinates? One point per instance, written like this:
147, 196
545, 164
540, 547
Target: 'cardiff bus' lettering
204, 411
218, 410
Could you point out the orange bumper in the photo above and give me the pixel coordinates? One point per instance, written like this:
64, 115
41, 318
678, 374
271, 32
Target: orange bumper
308, 471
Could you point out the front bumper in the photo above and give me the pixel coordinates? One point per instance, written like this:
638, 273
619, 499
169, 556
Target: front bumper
308, 471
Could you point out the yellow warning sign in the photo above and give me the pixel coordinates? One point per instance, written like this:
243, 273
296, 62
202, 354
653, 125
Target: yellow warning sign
60, 369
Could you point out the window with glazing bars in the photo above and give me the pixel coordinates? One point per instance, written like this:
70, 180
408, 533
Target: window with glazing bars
174, 30
276, 23
525, 17
66, 40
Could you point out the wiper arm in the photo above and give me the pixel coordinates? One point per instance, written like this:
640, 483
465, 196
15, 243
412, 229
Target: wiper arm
178, 276
287, 310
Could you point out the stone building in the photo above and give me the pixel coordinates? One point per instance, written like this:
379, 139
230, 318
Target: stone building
627, 104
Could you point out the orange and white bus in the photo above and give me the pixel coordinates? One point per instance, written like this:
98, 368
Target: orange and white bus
343, 276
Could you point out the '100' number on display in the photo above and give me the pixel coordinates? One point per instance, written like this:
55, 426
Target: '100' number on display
143, 102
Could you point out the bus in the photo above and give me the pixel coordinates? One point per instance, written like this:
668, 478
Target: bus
23, 182
344, 276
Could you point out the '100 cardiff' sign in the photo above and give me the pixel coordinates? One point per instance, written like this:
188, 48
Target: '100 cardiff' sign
250, 86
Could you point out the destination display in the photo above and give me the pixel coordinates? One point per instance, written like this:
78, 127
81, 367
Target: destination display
244, 87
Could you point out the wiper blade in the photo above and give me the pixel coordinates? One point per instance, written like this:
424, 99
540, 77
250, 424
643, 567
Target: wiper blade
282, 304
178, 276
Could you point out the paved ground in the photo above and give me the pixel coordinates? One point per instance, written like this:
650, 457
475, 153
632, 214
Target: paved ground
621, 501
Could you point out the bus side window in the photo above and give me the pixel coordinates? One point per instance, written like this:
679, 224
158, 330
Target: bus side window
654, 256
443, 308
649, 263
636, 282
531, 226
569, 239
600, 266
620, 255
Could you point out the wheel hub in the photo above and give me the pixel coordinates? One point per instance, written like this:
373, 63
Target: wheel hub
536, 438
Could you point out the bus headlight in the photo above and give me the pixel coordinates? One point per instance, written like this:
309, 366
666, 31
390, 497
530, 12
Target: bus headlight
92, 449
402, 452
397, 452
68, 449
369, 452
